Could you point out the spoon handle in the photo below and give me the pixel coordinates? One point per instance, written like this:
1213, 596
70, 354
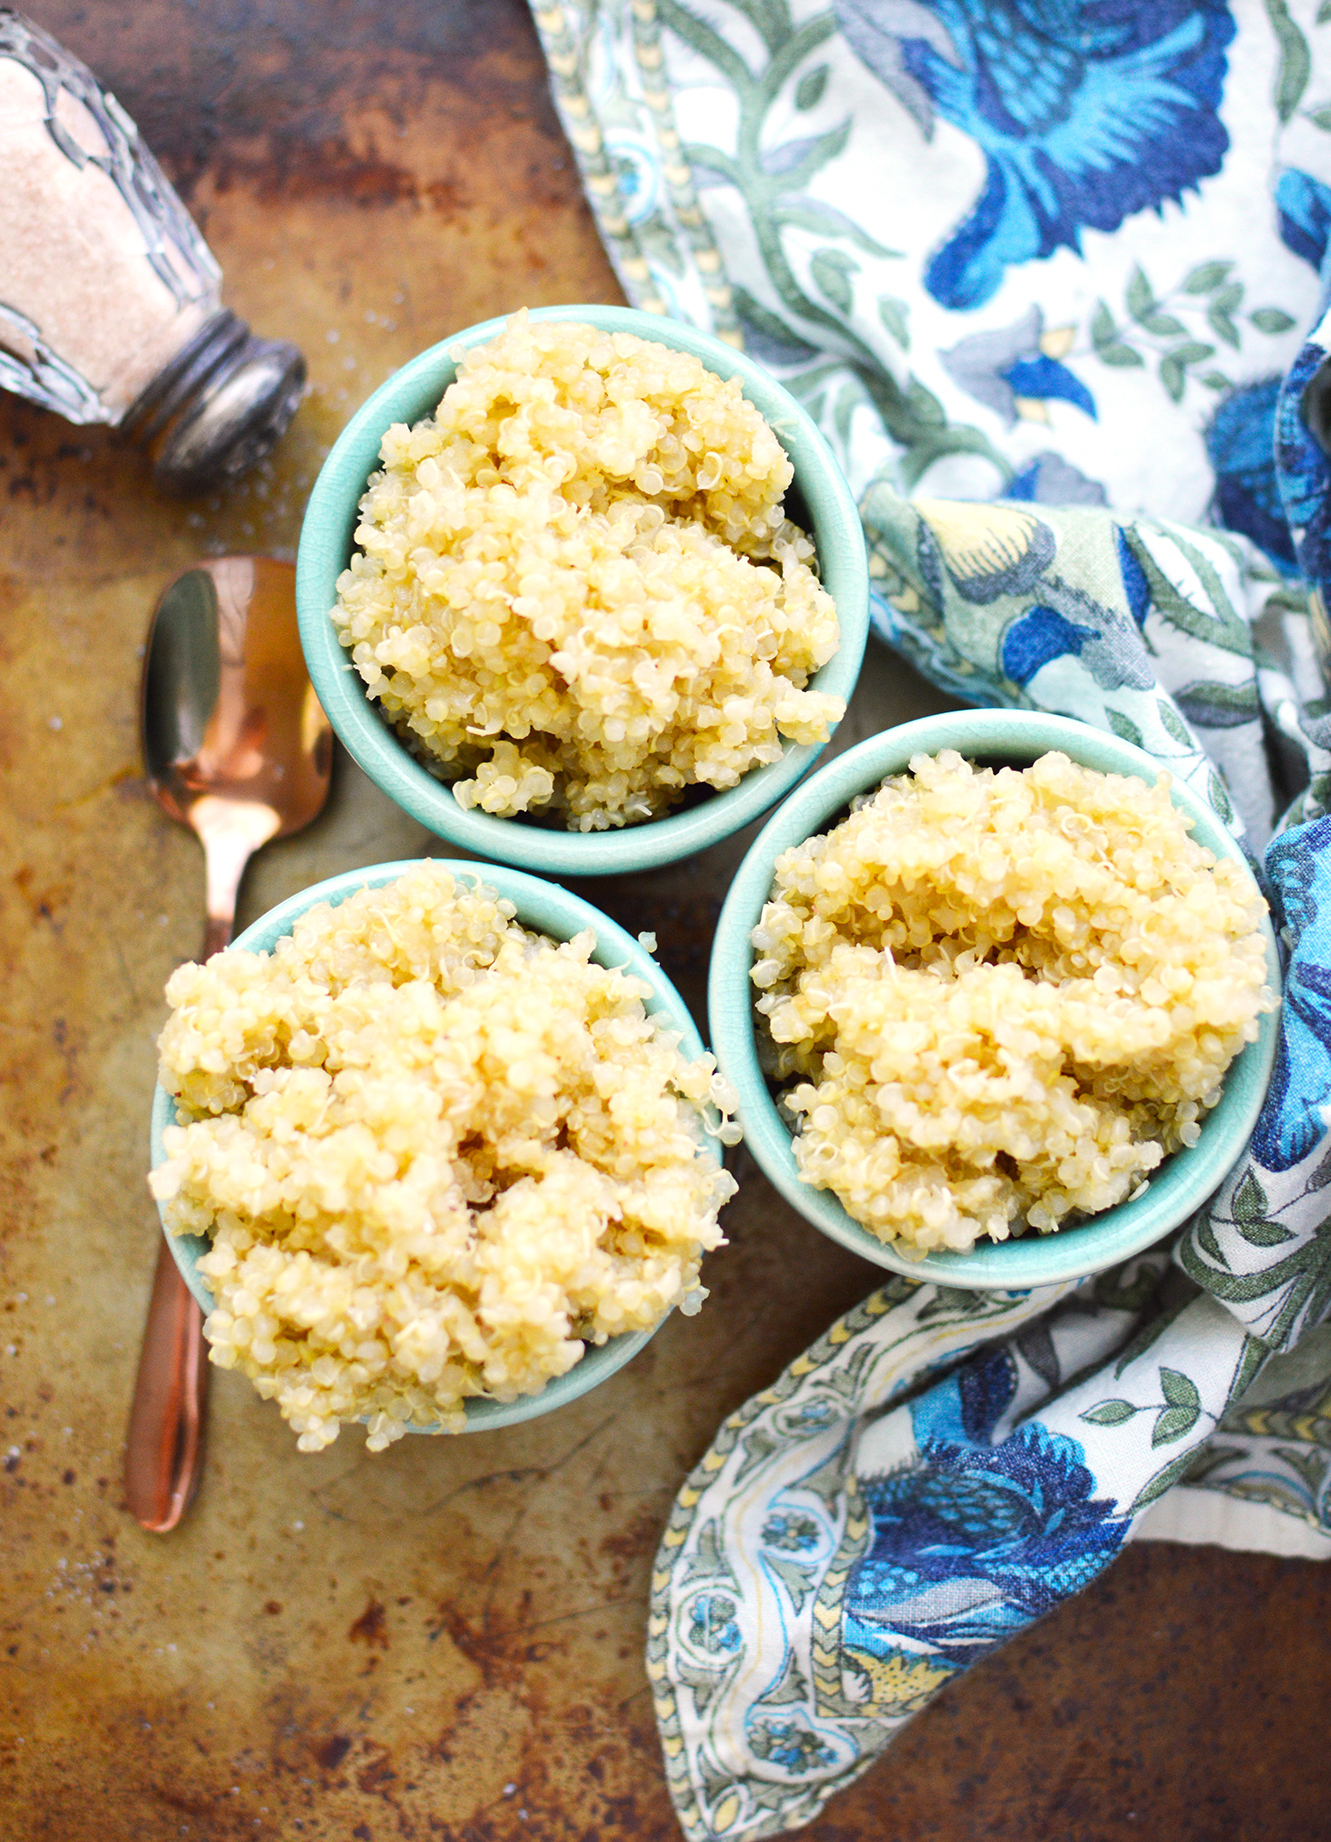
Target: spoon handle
231, 830
164, 1453
163, 1459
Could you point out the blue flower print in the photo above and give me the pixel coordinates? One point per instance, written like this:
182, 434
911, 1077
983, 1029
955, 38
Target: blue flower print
788, 1744
1087, 111
1015, 370
1050, 480
1303, 472
1241, 445
712, 1623
1303, 207
1107, 641
1038, 637
794, 1533
1135, 586
976, 1539
989, 552
1292, 1119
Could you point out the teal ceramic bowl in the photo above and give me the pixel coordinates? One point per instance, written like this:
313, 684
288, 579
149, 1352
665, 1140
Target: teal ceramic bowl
1184, 1181
326, 545
547, 910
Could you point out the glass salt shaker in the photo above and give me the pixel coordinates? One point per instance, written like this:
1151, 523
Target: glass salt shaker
110, 307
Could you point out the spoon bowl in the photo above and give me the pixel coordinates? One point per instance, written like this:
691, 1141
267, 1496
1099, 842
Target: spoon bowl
234, 741
235, 746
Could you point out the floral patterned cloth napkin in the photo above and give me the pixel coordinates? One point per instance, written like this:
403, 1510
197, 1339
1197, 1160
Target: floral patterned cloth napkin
1044, 271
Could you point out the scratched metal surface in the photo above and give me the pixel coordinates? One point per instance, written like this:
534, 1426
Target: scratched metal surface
443, 1641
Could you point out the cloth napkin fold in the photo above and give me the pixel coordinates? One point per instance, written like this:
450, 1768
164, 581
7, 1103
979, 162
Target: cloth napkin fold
1043, 271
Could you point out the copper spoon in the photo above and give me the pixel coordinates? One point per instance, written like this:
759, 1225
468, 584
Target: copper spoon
237, 748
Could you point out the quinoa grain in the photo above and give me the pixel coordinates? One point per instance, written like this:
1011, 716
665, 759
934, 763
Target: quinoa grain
435, 1154
1001, 999
576, 591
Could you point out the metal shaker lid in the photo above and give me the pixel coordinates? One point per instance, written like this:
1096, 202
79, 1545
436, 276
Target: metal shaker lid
220, 405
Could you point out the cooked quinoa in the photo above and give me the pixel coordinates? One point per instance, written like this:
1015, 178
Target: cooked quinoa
435, 1154
1003, 997
576, 591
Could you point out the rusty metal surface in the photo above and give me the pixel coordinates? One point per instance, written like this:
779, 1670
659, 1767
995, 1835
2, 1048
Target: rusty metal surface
444, 1640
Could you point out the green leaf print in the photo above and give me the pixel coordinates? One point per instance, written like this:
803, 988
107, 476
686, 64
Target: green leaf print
1208, 1242
1301, 1281
1173, 1423
831, 270
1164, 324
1036, 1346
759, 1445
1118, 1293
1218, 794
789, 50
1295, 60
1265, 1233
952, 1301
892, 313
705, 1683
809, 89
1183, 1409
1271, 320
1109, 1413
1125, 729
785, 347
1179, 1390
1320, 118
1164, 1479
925, 407
1148, 1335
708, 1561
1103, 329
916, 421
1121, 355
1140, 296
795, 163
797, 1580
1221, 625
1205, 277
1218, 706
1222, 325
1249, 1204
1172, 377
1171, 724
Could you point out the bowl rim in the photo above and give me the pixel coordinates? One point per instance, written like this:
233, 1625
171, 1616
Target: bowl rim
1186, 1179
543, 907
327, 532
